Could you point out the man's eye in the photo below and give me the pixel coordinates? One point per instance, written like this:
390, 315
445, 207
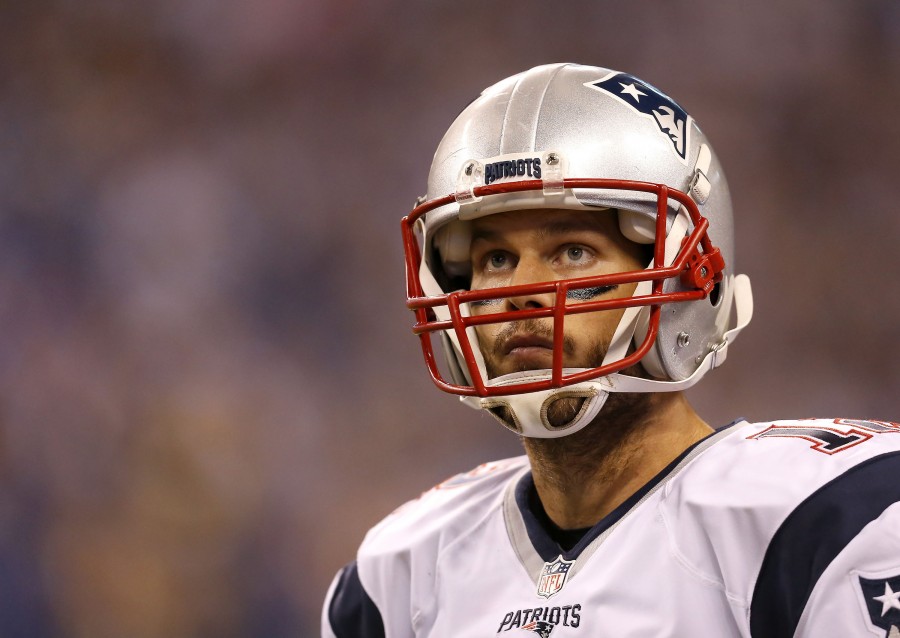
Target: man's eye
575, 255
497, 261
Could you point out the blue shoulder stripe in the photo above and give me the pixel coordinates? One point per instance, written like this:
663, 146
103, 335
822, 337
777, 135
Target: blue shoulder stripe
812, 536
351, 612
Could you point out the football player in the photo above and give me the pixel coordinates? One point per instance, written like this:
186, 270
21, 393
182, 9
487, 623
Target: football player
573, 260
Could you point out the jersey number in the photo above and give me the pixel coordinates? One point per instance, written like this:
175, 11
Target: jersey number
830, 440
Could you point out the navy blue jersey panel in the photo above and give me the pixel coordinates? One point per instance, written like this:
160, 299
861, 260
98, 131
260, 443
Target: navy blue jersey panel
352, 613
812, 536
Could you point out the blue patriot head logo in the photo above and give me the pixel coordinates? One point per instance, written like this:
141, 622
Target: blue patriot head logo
647, 101
882, 597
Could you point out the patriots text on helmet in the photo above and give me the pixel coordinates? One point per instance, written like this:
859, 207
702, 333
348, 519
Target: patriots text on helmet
529, 166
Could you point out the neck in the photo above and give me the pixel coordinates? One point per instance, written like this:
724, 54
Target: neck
582, 477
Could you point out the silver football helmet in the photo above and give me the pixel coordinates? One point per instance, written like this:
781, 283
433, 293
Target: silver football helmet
571, 137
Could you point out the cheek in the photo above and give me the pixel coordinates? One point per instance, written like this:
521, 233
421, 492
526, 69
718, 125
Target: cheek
602, 323
487, 334
589, 328
591, 333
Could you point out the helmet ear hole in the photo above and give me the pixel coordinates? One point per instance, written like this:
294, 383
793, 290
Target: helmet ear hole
715, 295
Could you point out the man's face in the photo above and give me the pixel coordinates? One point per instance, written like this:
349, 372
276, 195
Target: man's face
532, 246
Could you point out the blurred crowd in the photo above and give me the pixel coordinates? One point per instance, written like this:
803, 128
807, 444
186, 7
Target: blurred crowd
208, 385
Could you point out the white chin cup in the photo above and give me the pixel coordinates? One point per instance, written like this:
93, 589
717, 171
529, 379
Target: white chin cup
526, 414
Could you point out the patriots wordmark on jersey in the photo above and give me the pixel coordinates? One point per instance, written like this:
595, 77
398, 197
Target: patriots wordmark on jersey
762, 530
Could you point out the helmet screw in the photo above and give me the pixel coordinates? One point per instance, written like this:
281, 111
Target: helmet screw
704, 272
552, 159
469, 168
683, 339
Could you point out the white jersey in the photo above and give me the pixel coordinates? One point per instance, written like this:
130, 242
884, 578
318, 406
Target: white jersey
767, 530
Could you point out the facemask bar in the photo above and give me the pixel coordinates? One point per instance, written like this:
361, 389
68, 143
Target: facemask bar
699, 266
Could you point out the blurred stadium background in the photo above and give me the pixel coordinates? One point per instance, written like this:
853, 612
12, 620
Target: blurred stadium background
208, 385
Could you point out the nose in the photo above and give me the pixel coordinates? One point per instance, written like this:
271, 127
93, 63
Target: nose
531, 270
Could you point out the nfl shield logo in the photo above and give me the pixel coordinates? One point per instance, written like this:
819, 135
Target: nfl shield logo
553, 576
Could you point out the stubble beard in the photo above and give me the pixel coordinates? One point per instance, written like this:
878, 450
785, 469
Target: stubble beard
602, 448
607, 442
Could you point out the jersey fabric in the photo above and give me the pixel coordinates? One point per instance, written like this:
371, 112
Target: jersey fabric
769, 530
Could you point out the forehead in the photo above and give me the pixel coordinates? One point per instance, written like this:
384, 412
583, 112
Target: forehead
546, 221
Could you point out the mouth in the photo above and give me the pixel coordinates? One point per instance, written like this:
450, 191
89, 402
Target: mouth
528, 352
526, 343
526, 346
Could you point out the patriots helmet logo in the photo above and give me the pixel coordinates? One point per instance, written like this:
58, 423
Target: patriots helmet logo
882, 600
651, 103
